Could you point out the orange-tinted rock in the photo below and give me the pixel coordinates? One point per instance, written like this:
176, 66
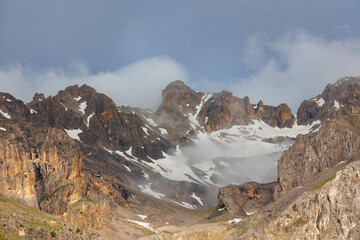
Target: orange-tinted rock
245, 198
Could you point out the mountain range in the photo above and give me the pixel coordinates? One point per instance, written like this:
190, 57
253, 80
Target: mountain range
202, 166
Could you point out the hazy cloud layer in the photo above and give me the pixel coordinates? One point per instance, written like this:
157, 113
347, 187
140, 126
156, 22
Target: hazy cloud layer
291, 68
138, 84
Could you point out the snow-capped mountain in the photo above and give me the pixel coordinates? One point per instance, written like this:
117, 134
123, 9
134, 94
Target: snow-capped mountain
183, 152
79, 156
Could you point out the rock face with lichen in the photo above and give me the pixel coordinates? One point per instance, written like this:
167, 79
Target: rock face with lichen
280, 116
218, 110
97, 119
336, 141
247, 198
325, 106
41, 167
73, 153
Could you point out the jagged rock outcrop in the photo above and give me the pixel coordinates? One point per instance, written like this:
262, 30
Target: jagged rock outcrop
12, 108
328, 210
216, 111
326, 105
98, 119
223, 110
279, 116
179, 99
336, 141
246, 198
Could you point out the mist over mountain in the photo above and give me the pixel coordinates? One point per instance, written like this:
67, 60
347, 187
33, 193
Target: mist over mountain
77, 150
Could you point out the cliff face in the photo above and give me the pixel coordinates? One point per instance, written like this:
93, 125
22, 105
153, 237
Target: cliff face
329, 212
336, 141
280, 116
41, 167
326, 209
97, 119
218, 110
223, 110
326, 105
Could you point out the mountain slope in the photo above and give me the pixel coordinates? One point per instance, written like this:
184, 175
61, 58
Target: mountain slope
79, 156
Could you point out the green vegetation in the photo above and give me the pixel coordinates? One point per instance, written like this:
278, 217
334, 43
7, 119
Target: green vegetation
8, 234
42, 225
323, 182
63, 147
300, 222
47, 198
88, 199
53, 234
78, 230
146, 232
9, 206
242, 229
2, 237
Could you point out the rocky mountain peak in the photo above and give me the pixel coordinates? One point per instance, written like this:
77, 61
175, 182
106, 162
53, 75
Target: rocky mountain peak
11, 108
223, 110
178, 95
38, 97
326, 105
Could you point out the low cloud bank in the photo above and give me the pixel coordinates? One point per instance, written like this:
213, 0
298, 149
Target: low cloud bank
292, 68
138, 84
288, 69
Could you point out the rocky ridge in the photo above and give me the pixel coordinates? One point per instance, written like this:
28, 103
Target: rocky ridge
100, 148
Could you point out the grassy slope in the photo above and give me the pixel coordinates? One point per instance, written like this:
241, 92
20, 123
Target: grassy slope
17, 218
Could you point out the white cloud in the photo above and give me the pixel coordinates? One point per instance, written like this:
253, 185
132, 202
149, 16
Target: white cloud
294, 67
138, 84
290, 69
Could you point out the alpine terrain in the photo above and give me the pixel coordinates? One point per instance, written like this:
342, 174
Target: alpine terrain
202, 166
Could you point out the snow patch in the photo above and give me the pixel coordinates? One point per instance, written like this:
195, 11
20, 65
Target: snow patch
6, 115
77, 99
193, 195
193, 117
82, 107
250, 213
163, 131
64, 106
128, 152
147, 190
127, 168
144, 224
32, 111
9, 100
235, 220
320, 102
143, 217
88, 119
2, 129
110, 151
221, 209
145, 130
150, 121
173, 167
184, 204
74, 133
146, 175
336, 105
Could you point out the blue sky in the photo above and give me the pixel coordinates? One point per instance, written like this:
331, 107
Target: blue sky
277, 51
